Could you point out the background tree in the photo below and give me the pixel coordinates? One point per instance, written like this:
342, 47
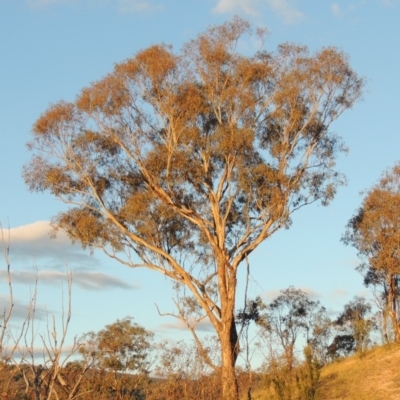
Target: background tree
292, 315
182, 373
375, 232
121, 357
244, 317
357, 322
188, 162
342, 345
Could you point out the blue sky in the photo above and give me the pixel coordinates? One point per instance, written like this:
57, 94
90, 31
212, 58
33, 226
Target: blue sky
51, 49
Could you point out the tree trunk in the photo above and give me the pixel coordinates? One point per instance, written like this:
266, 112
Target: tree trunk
392, 307
289, 355
384, 326
229, 352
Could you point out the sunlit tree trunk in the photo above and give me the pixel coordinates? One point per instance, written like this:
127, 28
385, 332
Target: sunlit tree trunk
226, 331
229, 351
392, 306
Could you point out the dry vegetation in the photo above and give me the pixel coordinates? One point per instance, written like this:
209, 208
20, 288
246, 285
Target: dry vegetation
375, 376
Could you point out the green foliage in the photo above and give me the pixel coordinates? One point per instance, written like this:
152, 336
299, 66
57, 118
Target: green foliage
292, 315
120, 356
298, 383
374, 231
342, 345
357, 320
307, 376
125, 346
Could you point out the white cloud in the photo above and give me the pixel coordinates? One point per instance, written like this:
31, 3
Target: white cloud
339, 294
283, 8
128, 6
204, 326
289, 14
271, 295
32, 242
335, 9
248, 6
84, 279
340, 11
38, 352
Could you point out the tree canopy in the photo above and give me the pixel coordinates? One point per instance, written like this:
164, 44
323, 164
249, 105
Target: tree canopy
374, 231
185, 162
292, 315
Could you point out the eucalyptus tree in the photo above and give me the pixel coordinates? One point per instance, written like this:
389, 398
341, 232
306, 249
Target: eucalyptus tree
374, 231
120, 357
293, 315
356, 322
185, 162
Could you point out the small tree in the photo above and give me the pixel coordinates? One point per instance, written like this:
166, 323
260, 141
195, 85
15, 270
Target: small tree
121, 359
190, 161
356, 319
182, 372
291, 315
244, 317
307, 376
375, 232
342, 345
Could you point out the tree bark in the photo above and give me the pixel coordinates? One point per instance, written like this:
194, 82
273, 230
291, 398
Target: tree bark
392, 305
229, 352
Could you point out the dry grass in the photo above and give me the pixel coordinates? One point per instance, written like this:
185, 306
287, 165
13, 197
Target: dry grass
376, 376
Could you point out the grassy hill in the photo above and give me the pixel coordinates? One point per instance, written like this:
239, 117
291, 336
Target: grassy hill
376, 376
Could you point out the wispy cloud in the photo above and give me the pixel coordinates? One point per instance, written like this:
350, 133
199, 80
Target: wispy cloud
289, 14
39, 353
335, 8
271, 295
247, 6
283, 8
204, 326
84, 279
33, 242
340, 11
132, 6
20, 309
339, 294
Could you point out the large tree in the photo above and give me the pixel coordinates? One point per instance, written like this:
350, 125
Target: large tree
189, 161
374, 231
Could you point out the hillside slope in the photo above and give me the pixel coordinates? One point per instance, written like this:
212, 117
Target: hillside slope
376, 376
